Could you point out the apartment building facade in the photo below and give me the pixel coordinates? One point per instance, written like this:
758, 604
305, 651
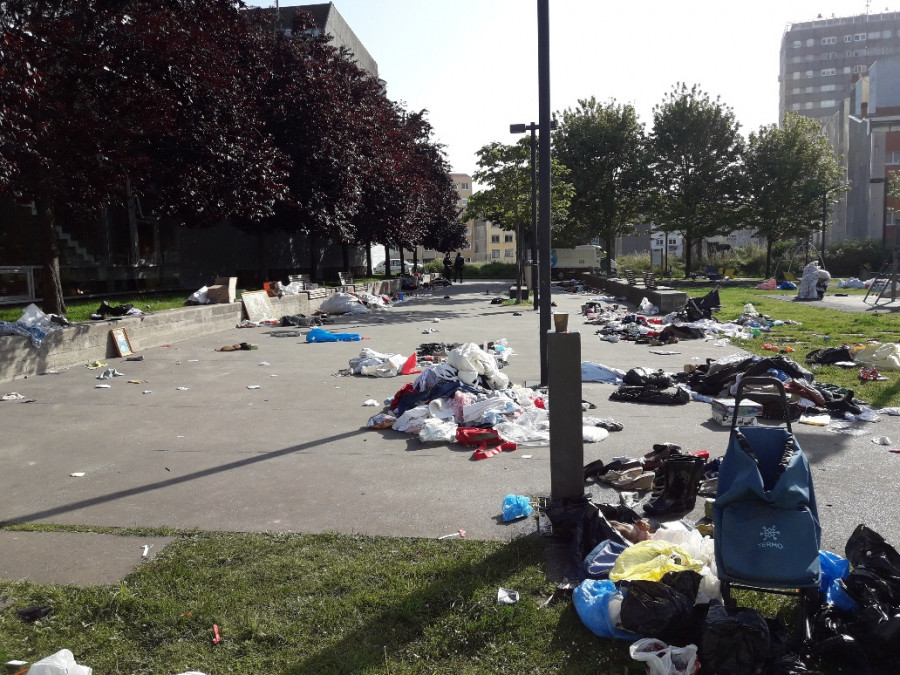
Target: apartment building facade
821, 60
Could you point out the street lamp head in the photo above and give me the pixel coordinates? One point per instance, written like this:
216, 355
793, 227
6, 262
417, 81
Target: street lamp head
517, 128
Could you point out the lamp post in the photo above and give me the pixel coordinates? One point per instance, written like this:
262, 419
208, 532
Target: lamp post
883, 209
521, 129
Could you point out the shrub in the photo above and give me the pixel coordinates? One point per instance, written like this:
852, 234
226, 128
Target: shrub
853, 257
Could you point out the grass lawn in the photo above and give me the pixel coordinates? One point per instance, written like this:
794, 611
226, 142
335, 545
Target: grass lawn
291, 603
294, 603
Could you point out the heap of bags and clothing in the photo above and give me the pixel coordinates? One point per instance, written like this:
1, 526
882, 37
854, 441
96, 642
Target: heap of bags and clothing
462, 396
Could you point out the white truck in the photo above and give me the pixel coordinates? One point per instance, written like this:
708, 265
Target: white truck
569, 262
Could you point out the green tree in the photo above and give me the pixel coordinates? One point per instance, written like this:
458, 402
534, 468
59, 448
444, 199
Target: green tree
695, 156
604, 148
506, 170
792, 177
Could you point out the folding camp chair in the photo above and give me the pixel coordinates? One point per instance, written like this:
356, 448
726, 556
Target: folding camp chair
767, 532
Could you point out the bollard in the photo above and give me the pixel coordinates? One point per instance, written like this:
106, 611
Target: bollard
566, 439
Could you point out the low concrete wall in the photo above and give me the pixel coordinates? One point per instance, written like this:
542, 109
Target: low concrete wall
666, 298
82, 343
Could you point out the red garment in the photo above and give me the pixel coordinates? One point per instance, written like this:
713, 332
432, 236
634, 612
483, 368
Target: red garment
408, 388
488, 441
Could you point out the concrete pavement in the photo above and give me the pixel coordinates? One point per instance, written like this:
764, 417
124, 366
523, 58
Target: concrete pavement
295, 454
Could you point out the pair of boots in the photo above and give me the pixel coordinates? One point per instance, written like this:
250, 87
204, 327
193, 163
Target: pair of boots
675, 490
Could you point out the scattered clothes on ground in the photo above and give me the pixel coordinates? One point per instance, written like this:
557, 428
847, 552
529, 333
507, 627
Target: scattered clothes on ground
105, 310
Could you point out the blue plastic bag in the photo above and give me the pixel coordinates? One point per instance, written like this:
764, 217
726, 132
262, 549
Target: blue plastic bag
322, 335
835, 568
591, 599
516, 506
787, 286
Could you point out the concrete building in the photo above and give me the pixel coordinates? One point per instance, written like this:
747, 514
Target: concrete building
328, 22
822, 59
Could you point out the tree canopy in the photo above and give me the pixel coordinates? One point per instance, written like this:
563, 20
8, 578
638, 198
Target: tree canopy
604, 148
695, 157
792, 175
198, 104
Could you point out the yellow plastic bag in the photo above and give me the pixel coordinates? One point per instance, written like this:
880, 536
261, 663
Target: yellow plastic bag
650, 560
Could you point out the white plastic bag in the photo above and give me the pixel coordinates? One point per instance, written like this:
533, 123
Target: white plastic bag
199, 297
60, 663
594, 434
437, 431
647, 307
661, 659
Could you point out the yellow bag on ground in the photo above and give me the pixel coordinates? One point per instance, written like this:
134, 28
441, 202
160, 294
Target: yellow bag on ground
650, 560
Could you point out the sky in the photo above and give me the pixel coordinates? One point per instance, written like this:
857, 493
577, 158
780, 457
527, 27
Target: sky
473, 63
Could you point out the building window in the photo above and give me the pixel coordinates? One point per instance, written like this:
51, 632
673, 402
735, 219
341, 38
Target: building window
796, 75
846, 70
808, 105
507, 238
848, 38
827, 72
509, 253
809, 90
796, 44
892, 158
464, 201
796, 90
829, 40
464, 186
809, 73
859, 69
885, 33
495, 253
875, 35
810, 42
810, 58
828, 103
795, 106
829, 87
859, 37
495, 238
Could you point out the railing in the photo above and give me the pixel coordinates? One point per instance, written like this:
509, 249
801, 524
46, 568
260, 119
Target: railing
17, 284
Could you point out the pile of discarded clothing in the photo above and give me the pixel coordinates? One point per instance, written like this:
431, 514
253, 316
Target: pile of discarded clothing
33, 324
656, 585
465, 398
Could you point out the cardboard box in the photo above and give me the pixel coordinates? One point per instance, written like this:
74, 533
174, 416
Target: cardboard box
224, 290
723, 411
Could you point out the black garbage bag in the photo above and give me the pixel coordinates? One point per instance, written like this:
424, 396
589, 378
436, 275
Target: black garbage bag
663, 609
867, 547
833, 644
650, 394
646, 376
578, 527
735, 641
829, 355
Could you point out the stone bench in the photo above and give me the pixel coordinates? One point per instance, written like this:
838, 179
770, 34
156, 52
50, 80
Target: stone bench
666, 298
84, 342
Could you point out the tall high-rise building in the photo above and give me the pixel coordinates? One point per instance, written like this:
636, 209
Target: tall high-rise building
822, 59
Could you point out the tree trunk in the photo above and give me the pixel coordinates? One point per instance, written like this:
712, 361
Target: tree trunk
610, 254
345, 257
688, 245
768, 256
314, 257
387, 260
262, 263
51, 287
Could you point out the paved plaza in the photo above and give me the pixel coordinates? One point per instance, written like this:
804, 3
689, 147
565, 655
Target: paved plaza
205, 450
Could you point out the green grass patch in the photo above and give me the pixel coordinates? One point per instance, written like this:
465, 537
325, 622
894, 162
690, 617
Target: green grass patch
819, 327
290, 603
81, 310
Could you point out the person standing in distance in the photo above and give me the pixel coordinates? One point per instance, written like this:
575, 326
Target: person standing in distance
448, 267
458, 266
